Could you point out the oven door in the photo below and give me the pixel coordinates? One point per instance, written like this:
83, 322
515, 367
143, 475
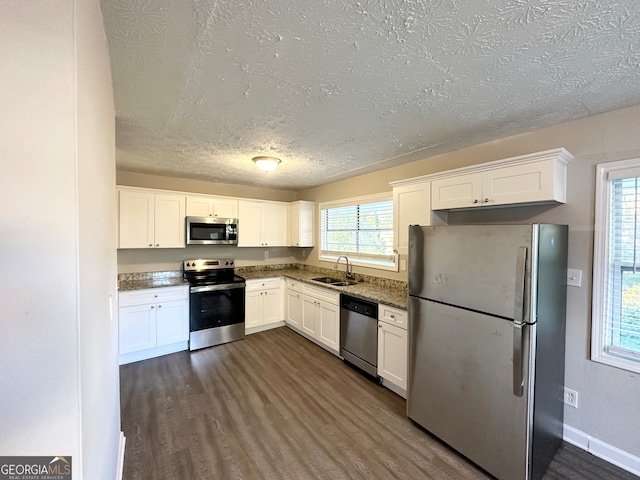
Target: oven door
217, 314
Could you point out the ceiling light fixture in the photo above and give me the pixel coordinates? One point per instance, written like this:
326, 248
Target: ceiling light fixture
266, 164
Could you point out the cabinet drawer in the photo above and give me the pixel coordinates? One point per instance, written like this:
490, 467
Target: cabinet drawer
322, 294
293, 285
152, 295
262, 284
392, 316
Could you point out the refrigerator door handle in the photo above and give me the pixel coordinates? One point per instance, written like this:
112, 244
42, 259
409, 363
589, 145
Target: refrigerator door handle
518, 308
518, 377
518, 321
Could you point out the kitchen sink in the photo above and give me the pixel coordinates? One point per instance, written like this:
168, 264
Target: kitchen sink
336, 282
326, 279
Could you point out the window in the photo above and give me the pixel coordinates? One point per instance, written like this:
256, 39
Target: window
616, 284
361, 229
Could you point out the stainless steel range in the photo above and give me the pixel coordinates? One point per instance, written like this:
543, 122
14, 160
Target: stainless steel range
216, 299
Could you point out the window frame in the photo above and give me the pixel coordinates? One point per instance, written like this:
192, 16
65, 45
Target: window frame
601, 267
354, 259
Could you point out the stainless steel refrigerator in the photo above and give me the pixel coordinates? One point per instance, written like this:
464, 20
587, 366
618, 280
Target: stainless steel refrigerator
487, 332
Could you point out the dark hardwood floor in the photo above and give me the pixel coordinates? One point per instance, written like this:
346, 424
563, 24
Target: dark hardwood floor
276, 406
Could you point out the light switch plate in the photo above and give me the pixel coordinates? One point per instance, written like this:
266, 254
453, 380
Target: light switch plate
574, 277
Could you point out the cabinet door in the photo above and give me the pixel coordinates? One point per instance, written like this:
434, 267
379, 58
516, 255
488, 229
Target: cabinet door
392, 354
137, 328
274, 225
172, 322
253, 308
529, 182
271, 306
169, 221
136, 219
249, 224
225, 208
308, 324
301, 224
461, 191
199, 206
293, 308
411, 206
329, 325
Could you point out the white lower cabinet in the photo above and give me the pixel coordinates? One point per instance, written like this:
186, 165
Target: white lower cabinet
393, 348
263, 300
152, 322
293, 304
315, 312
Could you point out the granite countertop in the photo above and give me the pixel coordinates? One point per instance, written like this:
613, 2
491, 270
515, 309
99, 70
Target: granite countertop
376, 289
387, 293
140, 281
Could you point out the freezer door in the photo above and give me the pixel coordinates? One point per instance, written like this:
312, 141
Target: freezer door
474, 266
461, 385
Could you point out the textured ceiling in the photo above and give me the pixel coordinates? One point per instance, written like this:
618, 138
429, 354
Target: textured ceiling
339, 88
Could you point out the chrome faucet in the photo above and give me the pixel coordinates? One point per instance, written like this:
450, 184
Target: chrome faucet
348, 272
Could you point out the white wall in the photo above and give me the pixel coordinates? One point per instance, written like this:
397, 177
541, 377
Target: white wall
56, 130
97, 264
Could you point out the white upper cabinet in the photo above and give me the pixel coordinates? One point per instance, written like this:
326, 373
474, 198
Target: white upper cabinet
301, 220
534, 179
262, 224
211, 206
411, 206
151, 220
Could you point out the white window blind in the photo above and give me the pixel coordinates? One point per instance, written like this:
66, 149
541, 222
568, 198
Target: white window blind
616, 280
362, 231
622, 327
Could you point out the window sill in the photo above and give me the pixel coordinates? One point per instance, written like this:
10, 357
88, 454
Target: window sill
616, 361
378, 265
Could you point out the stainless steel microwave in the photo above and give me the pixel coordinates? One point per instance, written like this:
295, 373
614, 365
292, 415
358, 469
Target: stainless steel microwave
212, 231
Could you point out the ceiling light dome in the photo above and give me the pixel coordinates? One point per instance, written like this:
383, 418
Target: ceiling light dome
266, 164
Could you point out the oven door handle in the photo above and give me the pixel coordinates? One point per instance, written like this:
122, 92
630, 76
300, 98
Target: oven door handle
213, 288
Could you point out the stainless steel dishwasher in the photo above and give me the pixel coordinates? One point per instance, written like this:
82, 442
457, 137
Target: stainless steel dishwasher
359, 333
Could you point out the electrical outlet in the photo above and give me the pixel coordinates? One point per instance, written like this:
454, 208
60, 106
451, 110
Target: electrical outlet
266, 254
570, 397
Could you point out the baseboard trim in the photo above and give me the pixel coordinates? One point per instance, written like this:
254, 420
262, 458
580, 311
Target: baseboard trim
601, 449
120, 470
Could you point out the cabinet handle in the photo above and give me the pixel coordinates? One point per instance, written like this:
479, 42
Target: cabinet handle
393, 316
486, 200
151, 244
159, 306
152, 307
157, 244
476, 201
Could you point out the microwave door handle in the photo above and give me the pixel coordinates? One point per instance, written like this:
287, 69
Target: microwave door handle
518, 321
